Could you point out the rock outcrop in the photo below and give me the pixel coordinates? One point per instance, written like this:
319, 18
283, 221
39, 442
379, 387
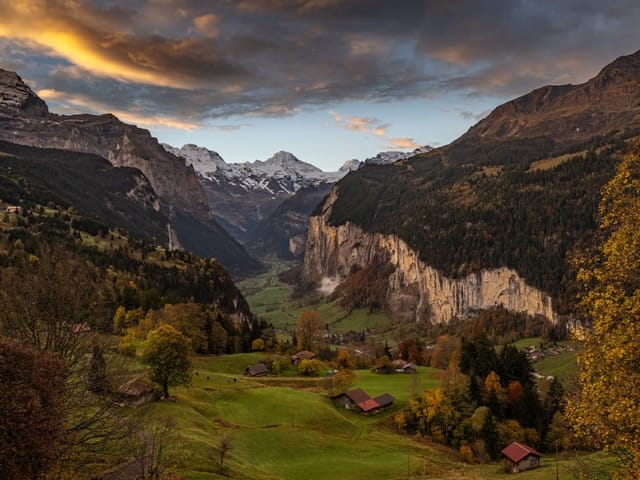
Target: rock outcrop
574, 113
416, 291
25, 120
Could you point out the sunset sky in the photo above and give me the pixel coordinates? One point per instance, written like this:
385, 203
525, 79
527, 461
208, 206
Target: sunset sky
328, 80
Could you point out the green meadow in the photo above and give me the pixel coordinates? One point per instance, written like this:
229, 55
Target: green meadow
287, 428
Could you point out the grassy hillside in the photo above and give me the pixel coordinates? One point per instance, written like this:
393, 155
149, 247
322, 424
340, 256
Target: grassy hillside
281, 432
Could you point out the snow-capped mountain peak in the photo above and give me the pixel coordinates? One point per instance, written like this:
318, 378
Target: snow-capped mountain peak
281, 173
285, 163
349, 166
204, 161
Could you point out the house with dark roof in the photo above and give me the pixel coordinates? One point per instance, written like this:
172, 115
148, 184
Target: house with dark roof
303, 355
519, 457
384, 401
358, 400
410, 368
137, 392
257, 370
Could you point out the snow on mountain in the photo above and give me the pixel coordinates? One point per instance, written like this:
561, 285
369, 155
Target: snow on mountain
282, 173
204, 161
383, 158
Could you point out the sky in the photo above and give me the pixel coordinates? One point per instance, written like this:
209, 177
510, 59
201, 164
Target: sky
328, 80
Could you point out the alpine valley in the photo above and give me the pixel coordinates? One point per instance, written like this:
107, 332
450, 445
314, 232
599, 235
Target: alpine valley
491, 219
265, 205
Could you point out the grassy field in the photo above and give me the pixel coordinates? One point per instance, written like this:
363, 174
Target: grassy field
287, 428
269, 298
563, 366
284, 432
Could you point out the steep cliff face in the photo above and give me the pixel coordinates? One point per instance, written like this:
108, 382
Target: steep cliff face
416, 291
25, 120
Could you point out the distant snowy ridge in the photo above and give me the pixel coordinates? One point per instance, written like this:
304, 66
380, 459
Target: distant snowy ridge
283, 172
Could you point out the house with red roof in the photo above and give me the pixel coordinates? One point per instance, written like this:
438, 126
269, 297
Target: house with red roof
360, 401
519, 457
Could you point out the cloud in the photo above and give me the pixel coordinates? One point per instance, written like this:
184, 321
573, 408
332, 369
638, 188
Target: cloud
401, 143
204, 60
207, 24
360, 124
467, 114
79, 103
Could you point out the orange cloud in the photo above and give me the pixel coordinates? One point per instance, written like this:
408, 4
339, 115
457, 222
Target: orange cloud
403, 143
207, 24
75, 31
360, 124
81, 103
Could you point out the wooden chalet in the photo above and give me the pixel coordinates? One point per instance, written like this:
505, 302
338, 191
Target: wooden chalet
410, 368
358, 400
257, 370
137, 392
302, 355
519, 457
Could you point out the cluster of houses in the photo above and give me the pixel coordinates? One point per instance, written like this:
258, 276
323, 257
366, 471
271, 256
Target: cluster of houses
536, 353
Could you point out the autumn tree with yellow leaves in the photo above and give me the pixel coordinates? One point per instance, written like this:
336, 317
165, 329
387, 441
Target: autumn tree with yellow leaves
605, 413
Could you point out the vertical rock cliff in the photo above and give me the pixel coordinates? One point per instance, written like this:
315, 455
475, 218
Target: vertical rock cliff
416, 291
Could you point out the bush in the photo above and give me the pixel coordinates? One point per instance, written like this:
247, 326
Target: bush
311, 368
127, 346
257, 345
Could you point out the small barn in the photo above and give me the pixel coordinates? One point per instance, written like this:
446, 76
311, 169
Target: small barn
360, 401
384, 401
137, 392
257, 370
519, 457
399, 365
351, 399
302, 355
410, 368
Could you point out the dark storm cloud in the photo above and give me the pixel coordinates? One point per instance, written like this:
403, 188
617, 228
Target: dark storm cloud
202, 59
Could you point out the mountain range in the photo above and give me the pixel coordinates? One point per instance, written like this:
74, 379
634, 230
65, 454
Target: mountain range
492, 218
266, 204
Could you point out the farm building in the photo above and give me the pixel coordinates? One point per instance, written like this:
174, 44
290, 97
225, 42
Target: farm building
303, 355
81, 327
399, 365
257, 370
360, 401
519, 457
137, 392
410, 368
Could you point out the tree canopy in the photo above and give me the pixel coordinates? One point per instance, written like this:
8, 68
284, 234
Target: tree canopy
32, 419
606, 411
167, 353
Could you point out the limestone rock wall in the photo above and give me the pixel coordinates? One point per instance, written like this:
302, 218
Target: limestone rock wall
416, 291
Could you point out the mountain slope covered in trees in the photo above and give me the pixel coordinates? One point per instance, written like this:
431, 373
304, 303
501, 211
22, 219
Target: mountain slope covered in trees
521, 198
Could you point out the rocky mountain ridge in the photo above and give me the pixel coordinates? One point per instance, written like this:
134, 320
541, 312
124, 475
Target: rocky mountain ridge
417, 292
25, 119
498, 211
574, 113
245, 196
